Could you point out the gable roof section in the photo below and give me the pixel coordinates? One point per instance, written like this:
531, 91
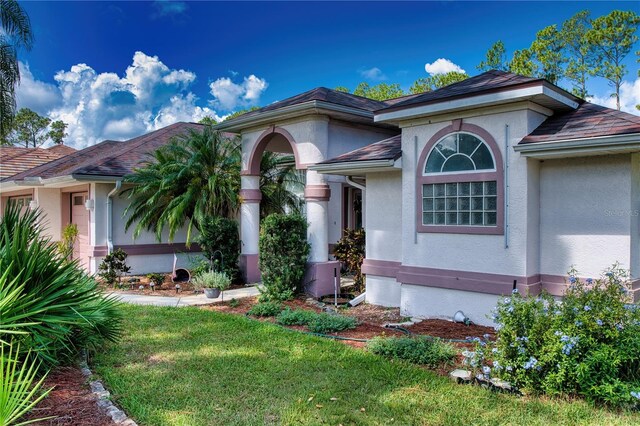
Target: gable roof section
15, 159
108, 158
587, 121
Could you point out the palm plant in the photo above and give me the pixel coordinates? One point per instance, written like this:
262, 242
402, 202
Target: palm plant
197, 176
193, 177
280, 184
48, 304
15, 30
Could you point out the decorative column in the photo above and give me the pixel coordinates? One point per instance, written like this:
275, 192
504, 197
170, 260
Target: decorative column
321, 273
249, 227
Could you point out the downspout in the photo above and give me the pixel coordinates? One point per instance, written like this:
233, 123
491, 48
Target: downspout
110, 216
506, 186
351, 182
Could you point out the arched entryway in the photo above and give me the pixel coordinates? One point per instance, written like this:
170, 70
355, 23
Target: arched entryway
316, 197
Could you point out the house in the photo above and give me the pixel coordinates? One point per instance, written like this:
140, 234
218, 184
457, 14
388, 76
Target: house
493, 183
85, 187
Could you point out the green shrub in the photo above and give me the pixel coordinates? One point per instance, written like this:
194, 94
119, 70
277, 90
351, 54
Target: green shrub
295, 317
19, 386
211, 279
219, 235
48, 305
418, 350
113, 267
156, 279
585, 345
327, 323
350, 250
68, 241
283, 255
265, 309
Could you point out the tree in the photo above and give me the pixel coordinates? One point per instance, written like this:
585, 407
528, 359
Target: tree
208, 120
613, 37
581, 56
548, 50
15, 33
196, 177
280, 182
436, 81
522, 63
240, 112
495, 58
379, 92
342, 89
57, 132
29, 128
193, 177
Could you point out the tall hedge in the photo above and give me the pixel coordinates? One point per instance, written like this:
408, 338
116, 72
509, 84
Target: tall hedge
221, 234
283, 255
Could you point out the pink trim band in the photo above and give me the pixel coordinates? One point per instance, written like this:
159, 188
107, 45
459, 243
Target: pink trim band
381, 268
146, 249
317, 193
250, 195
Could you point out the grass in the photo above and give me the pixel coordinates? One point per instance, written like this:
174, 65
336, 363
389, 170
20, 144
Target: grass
193, 367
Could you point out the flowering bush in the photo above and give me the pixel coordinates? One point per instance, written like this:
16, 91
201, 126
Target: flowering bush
586, 344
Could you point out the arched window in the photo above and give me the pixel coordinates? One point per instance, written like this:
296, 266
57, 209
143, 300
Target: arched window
460, 184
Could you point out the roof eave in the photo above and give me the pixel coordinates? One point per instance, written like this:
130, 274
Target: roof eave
291, 111
602, 145
557, 97
358, 168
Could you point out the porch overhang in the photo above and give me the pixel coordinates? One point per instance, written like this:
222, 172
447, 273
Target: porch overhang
54, 182
358, 168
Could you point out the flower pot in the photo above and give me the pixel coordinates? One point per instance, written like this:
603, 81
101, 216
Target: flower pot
212, 293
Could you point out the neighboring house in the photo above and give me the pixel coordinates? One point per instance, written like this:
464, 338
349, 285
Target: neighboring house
84, 187
493, 182
14, 159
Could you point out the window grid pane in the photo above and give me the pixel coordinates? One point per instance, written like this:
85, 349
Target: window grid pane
460, 204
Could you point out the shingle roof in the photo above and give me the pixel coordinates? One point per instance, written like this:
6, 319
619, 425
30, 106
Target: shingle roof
15, 159
587, 121
490, 81
109, 158
325, 95
388, 149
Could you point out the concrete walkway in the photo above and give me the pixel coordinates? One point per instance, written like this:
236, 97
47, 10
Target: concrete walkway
187, 299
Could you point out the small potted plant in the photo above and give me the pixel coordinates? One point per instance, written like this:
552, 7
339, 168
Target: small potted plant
213, 283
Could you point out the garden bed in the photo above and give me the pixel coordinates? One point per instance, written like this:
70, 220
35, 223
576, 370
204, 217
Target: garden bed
168, 288
70, 401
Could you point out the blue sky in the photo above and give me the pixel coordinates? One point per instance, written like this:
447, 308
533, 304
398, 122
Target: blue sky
209, 58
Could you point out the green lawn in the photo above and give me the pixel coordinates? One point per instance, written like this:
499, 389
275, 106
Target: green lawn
189, 366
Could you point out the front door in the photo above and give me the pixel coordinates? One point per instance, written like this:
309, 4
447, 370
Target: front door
80, 217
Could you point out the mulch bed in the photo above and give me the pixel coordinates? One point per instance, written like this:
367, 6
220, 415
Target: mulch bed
71, 401
450, 330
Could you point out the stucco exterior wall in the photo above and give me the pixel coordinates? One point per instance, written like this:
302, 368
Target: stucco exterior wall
50, 202
468, 252
586, 214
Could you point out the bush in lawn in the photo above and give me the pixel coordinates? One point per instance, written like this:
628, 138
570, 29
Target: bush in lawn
220, 235
283, 255
327, 323
265, 309
350, 250
585, 345
47, 304
419, 349
295, 317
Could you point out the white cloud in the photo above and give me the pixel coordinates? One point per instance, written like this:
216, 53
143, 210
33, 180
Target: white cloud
168, 8
36, 95
629, 97
442, 66
229, 95
149, 95
374, 74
